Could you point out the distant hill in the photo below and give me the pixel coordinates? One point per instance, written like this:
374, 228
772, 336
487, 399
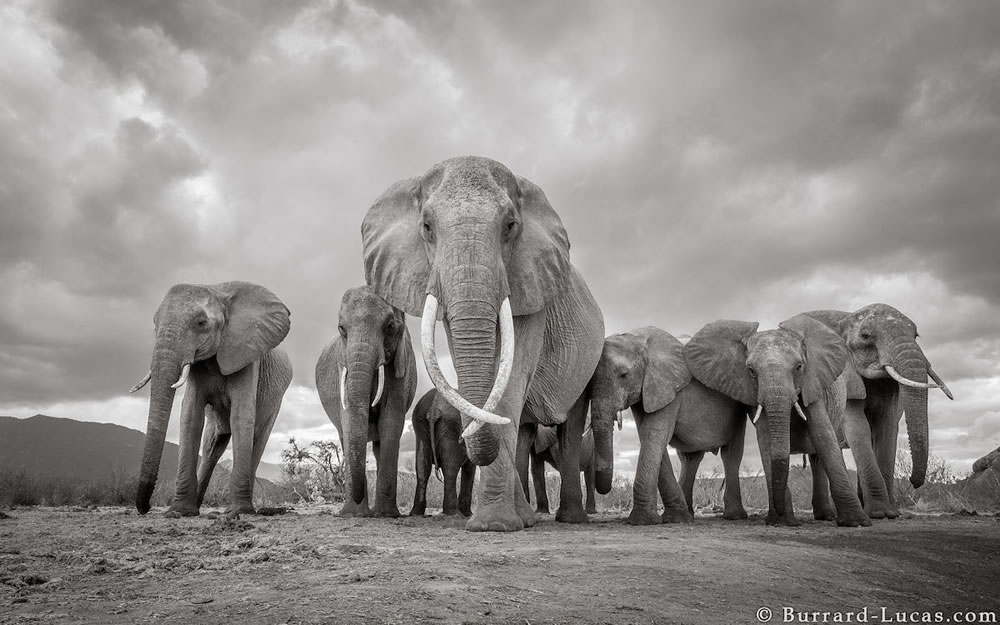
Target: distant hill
54, 447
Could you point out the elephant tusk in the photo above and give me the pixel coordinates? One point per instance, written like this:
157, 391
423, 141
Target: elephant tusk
343, 385
381, 385
453, 397
940, 382
184, 377
756, 416
619, 420
907, 381
142, 382
799, 410
506, 319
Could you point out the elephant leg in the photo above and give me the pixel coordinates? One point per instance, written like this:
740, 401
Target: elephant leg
763, 443
690, 461
465, 494
823, 508
885, 433
652, 443
732, 458
825, 441
538, 479
422, 462
570, 434
525, 438
214, 444
390, 427
588, 480
242, 422
874, 495
192, 423
675, 506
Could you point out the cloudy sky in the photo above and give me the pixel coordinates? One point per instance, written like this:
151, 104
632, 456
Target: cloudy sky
744, 160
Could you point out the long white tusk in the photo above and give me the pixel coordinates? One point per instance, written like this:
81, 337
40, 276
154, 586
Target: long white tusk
506, 320
757, 414
907, 381
799, 410
450, 395
184, 377
619, 420
944, 387
381, 385
142, 382
343, 389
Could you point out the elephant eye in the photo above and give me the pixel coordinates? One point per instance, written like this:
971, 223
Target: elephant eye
866, 336
511, 226
798, 367
343, 332
753, 372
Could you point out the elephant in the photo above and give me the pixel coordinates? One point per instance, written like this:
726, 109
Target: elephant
644, 369
438, 429
483, 249
220, 340
366, 378
887, 377
545, 448
797, 367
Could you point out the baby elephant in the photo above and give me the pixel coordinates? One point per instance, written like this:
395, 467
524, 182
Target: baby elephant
438, 428
366, 378
219, 340
546, 449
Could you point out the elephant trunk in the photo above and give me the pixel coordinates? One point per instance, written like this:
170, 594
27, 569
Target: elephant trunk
362, 362
474, 340
778, 408
602, 424
908, 360
166, 370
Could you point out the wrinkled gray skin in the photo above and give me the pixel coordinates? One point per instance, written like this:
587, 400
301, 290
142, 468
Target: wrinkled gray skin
802, 361
545, 448
227, 333
471, 233
438, 429
371, 334
880, 335
644, 370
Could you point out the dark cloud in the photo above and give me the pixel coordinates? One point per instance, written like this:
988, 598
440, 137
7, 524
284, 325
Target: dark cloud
709, 160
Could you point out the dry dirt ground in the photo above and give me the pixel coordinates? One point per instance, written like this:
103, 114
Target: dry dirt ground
109, 565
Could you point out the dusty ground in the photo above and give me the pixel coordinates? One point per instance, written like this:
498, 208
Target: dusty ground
70, 565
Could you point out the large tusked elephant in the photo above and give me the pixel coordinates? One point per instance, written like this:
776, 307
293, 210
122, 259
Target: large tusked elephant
366, 378
483, 247
794, 375
438, 430
644, 370
887, 377
220, 341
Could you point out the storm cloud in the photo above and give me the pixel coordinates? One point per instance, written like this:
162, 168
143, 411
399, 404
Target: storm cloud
709, 160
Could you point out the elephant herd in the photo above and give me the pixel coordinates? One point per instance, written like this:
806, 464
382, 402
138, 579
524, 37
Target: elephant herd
475, 246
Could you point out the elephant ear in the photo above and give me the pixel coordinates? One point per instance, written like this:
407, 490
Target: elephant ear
539, 267
826, 355
666, 373
403, 351
256, 322
837, 320
545, 437
395, 257
717, 357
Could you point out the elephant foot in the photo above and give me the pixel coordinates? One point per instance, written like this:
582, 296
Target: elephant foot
571, 512
465, 509
418, 509
824, 514
542, 510
386, 511
181, 509
735, 514
673, 515
591, 509
788, 520
449, 512
644, 516
495, 518
351, 509
235, 510
880, 509
854, 519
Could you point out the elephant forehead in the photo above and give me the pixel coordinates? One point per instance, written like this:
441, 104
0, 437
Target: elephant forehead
878, 314
361, 303
468, 178
188, 299
774, 344
619, 351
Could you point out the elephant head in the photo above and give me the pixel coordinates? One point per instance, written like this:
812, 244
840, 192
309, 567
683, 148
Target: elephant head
644, 368
772, 370
374, 335
883, 344
486, 245
225, 326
